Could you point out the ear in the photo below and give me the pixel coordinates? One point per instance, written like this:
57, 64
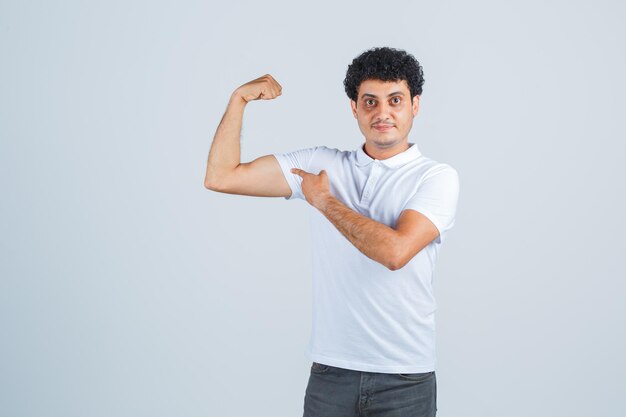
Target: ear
416, 104
353, 107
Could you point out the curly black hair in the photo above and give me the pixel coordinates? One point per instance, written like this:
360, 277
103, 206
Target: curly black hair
385, 64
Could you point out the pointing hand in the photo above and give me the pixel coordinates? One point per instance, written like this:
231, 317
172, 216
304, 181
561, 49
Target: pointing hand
314, 187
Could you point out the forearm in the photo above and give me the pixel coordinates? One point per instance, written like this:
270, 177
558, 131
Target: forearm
375, 240
225, 152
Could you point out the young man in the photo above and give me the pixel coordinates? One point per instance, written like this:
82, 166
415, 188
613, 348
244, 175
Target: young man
379, 215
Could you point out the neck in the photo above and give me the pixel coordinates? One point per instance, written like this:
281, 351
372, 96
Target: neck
381, 152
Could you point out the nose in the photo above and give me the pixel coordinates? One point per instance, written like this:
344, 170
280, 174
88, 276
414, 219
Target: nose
383, 111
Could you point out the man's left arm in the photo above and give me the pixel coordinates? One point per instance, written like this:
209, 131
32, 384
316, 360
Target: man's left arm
391, 247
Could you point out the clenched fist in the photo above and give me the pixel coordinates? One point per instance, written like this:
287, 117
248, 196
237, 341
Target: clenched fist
265, 87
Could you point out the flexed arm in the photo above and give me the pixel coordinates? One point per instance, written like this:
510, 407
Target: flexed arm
225, 173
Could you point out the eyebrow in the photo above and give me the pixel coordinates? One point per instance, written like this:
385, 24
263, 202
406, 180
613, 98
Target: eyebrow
392, 94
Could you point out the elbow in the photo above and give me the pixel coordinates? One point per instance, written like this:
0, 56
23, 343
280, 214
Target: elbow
212, 182
211, 185
396, 261
218, 181
394, 265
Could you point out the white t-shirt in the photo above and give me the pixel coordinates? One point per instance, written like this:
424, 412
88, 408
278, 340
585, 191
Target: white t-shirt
364, 316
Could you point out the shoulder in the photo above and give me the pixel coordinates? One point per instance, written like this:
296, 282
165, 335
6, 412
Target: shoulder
428, 172
432, 167
443, 168
328, 151
323, 153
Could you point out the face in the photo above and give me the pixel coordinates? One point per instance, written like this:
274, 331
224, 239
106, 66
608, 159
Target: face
385, 113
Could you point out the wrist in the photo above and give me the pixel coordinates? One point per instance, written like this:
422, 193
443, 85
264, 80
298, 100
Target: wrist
325, 201
237, 100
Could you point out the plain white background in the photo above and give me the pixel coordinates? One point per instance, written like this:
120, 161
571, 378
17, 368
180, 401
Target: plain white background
127, 289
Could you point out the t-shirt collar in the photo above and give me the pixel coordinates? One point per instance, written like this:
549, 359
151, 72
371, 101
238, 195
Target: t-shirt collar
413, 152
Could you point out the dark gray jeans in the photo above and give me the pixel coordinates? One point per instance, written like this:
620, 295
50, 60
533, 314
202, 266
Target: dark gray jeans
339, 392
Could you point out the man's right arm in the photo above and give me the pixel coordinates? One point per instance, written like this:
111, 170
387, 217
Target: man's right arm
225, 173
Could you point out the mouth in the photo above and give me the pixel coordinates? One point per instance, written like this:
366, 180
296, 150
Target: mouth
382, 128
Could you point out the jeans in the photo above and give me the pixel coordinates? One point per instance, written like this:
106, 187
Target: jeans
339, 392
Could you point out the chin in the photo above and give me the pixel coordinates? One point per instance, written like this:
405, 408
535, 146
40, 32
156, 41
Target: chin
384, 142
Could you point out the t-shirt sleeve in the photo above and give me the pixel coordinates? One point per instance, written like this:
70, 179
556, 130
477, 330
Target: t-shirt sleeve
437, 197
300, 158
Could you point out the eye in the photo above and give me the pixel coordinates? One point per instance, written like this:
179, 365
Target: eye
397, 102
368, 100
